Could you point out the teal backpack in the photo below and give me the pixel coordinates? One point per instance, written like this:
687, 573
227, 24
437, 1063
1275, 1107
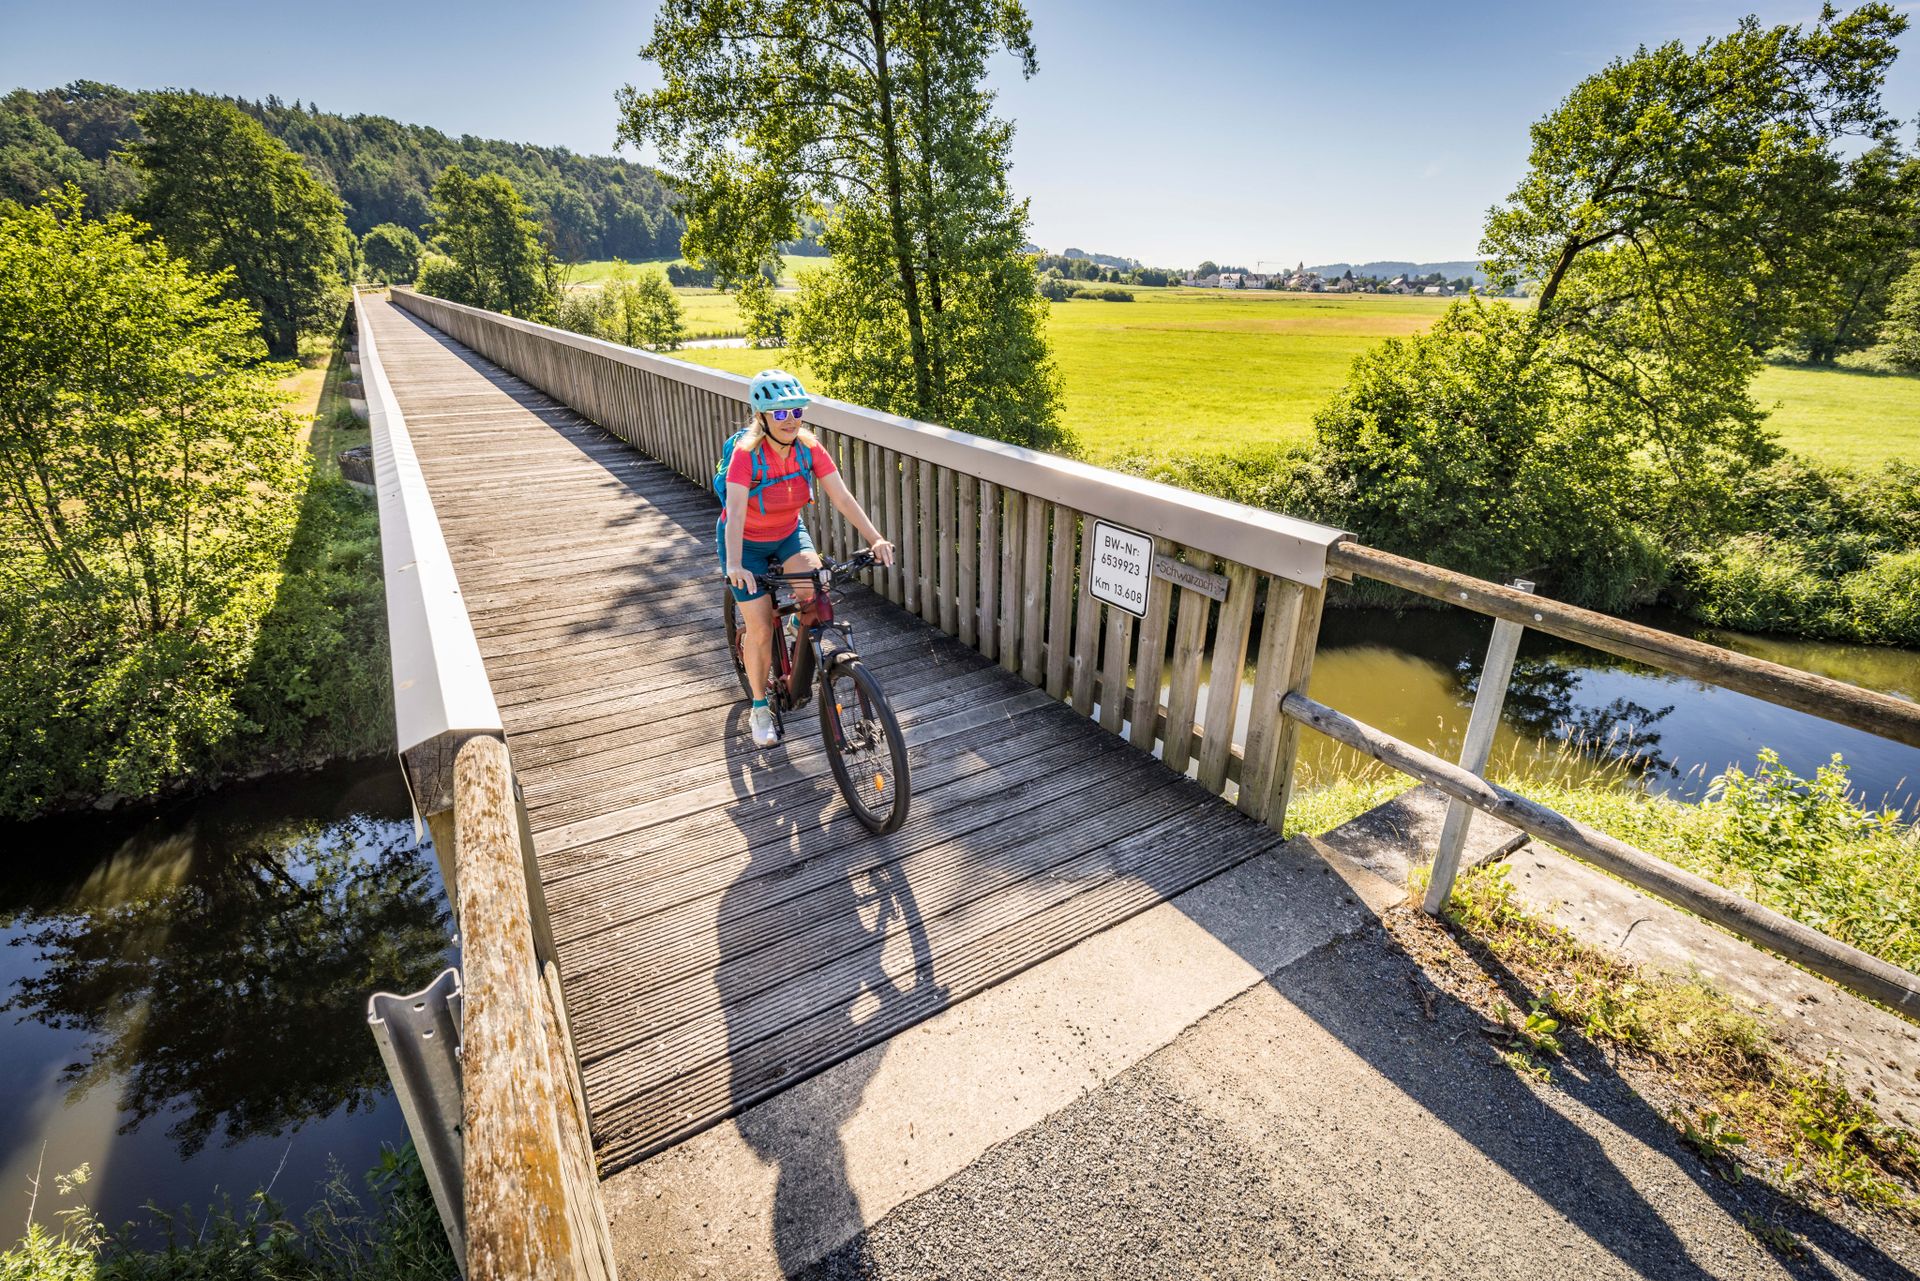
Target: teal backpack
761, 479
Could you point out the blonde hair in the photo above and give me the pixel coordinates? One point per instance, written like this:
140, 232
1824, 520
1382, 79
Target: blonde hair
756, 431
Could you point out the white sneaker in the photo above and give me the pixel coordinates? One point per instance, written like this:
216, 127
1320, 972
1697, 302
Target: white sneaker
764, 733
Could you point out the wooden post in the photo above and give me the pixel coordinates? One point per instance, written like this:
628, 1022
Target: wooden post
967, 544
1060, 583
1223, 682
1183, 693
516, 1200
1295, 668
1033, 592
949, 590
1151, 661
925, 513
1013, 512
1495, 674
989, 568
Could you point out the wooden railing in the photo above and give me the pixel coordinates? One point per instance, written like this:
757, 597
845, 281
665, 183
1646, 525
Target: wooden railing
524, 1202
994, 545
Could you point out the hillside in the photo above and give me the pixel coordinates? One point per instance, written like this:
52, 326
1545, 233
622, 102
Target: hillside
383, 169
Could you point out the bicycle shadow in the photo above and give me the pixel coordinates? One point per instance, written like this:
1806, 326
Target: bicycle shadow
798, 831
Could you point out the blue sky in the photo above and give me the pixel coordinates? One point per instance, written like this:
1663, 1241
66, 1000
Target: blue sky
1243, 132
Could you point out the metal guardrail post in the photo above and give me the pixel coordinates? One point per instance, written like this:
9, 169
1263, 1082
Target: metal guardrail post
1495, 674
419, 1039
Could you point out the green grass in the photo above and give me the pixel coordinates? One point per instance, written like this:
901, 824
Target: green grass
1849, 417
1186, 371
592, 273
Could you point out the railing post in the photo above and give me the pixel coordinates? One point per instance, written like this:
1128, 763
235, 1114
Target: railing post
1289, 636
1488, 700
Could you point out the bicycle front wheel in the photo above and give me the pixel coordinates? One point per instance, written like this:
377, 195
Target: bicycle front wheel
864, 745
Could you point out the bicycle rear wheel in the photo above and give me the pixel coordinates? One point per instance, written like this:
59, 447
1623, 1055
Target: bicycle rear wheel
864, 745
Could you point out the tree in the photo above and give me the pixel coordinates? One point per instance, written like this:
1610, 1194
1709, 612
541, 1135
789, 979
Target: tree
392, 254
492, 247
1677, 214
872, 118
146, 467
1900, 334
1871, 232
652, 314
226, 196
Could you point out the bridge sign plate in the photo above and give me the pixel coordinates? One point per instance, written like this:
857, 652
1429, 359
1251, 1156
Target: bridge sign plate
1119, 566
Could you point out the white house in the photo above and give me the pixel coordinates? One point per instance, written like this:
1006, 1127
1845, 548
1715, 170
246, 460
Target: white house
1232, 280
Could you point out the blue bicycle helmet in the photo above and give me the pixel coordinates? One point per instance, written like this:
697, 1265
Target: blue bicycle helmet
776, 389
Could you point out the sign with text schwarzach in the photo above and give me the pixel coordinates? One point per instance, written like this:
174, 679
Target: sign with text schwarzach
1119, 566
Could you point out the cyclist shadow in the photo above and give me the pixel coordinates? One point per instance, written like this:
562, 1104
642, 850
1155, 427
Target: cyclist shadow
819, 936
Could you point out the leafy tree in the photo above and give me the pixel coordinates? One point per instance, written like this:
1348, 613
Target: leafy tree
1900, 334
768, 317
146, 463
1871, 230
652, 314
226, 196
484, 230
1207, 268
391, 253
871, 117
1678, 212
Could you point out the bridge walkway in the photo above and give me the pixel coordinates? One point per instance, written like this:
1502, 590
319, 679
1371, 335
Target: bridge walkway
725, 928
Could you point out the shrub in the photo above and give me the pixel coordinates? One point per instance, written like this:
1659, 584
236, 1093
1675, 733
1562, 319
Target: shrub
1882, 601
1109, 294
686, 277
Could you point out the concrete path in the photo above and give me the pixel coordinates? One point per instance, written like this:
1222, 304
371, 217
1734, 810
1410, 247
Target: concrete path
1242, 1082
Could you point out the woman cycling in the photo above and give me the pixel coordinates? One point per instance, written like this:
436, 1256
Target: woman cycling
761, 528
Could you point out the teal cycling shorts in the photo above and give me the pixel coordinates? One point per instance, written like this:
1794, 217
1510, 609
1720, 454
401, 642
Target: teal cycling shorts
763, 558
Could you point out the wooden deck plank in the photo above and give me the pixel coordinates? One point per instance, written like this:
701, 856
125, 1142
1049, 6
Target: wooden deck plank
717, 911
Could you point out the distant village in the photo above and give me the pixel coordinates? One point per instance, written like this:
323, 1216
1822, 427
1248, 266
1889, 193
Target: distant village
1302, 281
1078, 267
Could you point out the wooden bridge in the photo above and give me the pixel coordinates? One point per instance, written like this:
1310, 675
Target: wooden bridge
672, 925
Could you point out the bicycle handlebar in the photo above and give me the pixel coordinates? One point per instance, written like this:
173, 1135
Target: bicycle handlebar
861, 560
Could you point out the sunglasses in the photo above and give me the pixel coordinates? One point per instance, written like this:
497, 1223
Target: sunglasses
782, 415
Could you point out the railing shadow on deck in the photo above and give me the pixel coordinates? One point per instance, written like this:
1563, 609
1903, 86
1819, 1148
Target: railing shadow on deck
1619, 1218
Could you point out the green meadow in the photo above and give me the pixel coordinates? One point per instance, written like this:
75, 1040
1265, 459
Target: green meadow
1200, 370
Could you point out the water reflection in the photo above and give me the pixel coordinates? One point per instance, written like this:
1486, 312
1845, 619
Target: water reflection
1414, 675
202, 974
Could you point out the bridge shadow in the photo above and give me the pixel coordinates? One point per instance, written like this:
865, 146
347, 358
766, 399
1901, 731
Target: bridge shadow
814, 1200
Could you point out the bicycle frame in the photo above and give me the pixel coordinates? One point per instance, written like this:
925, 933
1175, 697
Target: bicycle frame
794, 665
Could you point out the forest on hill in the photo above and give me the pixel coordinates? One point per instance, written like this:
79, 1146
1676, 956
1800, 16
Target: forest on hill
589, 206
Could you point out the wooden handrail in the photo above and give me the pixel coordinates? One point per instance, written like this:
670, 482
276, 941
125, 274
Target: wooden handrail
517, 1221
1858, 971
1830, 700
1267, 541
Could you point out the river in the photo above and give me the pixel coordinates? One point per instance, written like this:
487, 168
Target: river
184, 991
185, 988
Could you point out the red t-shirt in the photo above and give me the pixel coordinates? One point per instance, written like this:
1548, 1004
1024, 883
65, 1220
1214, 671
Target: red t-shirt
783, 498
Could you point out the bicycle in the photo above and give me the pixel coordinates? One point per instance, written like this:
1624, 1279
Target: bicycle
861, 733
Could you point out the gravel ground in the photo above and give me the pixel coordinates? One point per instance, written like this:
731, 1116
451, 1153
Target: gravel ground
1331, 1123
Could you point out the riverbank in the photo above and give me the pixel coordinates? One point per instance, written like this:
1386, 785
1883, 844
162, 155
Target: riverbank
290, 677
